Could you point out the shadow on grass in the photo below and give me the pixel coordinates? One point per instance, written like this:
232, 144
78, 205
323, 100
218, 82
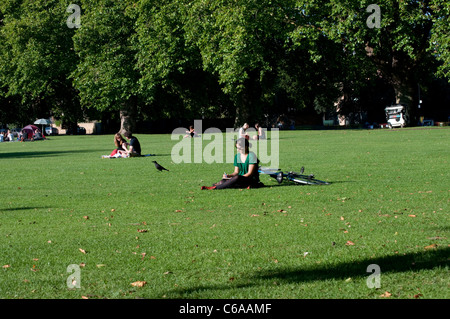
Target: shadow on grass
388, 264
22, 208
414, 262
37, 154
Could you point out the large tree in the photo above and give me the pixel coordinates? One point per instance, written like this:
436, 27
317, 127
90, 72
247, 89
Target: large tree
105, 75
440, 36
397, 47
36, 57
242, 42
173, 83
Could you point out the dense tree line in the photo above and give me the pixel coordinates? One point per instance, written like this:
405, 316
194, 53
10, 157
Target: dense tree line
148, 59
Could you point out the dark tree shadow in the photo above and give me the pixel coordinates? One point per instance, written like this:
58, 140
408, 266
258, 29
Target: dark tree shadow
388, 264
425, 260
38, 154
22, 208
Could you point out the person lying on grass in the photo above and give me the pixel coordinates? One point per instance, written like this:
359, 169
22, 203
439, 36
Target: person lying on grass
245, 173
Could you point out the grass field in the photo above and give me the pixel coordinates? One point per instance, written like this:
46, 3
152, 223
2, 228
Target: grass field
123, 223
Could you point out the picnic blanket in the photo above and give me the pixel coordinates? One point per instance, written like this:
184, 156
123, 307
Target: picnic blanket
117, 155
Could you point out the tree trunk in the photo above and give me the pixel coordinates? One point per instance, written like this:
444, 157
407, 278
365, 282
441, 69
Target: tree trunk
247, 101
128, 116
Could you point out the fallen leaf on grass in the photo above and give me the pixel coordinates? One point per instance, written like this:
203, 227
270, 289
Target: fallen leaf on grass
387, 294
142, 230
349, 243
432, 246
412, 216
82, 250
6, 266
139, 283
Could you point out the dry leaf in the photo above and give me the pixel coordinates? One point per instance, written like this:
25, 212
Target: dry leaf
387, 294
412, 216
139, 283
86, 217
142, 230
349, 243
82, 250
178, 211
6, 266
432, 246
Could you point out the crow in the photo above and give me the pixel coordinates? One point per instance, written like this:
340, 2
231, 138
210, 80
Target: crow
159, 167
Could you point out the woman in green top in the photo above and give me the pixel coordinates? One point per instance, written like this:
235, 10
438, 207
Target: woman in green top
245, 173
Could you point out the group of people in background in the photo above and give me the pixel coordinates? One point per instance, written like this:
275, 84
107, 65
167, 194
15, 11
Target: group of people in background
260, 136
6, 136
22, 136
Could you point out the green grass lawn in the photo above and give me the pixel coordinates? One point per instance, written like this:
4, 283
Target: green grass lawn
121, 221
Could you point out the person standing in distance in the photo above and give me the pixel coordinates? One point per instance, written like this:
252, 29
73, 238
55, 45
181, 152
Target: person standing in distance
135, 146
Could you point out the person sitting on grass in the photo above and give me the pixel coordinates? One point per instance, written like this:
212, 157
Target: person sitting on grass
135, 146
261, 133
243, 131
191, 132
37, 135
245, 173
121, 145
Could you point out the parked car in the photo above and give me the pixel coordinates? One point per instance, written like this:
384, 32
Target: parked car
395, 116
51, 130
80, 131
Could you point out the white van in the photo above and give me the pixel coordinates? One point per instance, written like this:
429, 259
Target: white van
395, 116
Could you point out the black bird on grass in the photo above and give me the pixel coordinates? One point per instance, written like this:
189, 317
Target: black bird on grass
159, 167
